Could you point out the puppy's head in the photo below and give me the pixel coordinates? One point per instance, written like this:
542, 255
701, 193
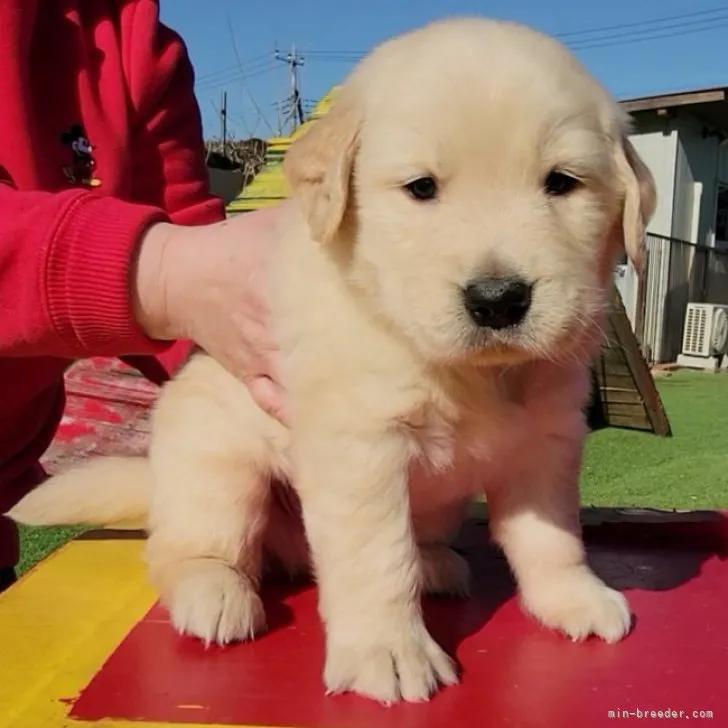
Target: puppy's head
476, 184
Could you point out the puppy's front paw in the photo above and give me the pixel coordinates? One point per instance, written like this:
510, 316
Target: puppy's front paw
390, 665
444, 571
577, 602
214, 602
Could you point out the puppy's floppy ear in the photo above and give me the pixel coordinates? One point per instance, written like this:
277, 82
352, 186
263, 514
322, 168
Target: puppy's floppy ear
318, 167
640, 199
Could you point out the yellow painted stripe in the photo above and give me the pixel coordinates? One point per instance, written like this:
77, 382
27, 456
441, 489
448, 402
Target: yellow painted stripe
268, 187
61, 622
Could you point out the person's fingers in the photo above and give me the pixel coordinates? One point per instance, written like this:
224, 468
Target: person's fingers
276, 373
267, 358
261, 350
269, 396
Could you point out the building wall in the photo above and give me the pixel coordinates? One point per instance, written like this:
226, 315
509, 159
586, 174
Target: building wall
696, 175
686, 167
656, 142
687, 163
658, 146
723, 163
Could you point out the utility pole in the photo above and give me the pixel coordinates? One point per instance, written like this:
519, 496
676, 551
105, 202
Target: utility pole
223, 122
277, 105
294, 61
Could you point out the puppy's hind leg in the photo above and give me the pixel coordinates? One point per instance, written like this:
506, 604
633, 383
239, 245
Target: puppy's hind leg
207, 518
207, 566
444, 571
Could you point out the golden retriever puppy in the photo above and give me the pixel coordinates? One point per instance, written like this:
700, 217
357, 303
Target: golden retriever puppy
438, 295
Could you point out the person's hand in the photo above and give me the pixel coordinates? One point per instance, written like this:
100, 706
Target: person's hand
209, 284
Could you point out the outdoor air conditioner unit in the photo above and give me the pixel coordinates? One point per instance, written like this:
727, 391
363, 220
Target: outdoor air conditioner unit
705, 335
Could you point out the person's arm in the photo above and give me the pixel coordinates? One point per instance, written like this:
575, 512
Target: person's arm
67, 259
167, 145
66, 262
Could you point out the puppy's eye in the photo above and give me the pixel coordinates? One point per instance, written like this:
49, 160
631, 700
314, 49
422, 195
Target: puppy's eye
560, 183
422, 188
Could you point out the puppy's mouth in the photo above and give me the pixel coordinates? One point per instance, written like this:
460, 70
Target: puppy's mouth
518, 329
520, 345
496, 309
496, 355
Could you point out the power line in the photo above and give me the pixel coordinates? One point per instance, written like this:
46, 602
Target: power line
685, 28
631, 24
655, 32
237, 77
586, 45
233, 73
255, 60
261, 115
675, 34
638, 31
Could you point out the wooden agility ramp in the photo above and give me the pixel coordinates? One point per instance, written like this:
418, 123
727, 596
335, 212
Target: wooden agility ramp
624, 394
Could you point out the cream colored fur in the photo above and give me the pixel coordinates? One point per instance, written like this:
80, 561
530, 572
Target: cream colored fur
401, 409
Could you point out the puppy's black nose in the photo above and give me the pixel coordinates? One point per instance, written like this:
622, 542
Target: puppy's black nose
497, 303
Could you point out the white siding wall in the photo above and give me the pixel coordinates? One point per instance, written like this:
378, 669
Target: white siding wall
658, 149
685, 167
696, 177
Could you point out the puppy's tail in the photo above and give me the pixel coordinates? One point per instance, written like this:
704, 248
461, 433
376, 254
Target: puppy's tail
101, 492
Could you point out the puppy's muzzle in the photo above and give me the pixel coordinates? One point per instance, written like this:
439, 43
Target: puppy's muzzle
497, 303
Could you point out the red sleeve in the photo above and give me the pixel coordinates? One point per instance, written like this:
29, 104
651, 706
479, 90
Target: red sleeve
65, 257
168, 147
65, 265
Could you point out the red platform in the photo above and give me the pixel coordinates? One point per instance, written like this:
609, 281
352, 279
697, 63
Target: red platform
78, 653
515, 674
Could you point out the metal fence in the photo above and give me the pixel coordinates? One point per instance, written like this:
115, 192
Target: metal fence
677, 273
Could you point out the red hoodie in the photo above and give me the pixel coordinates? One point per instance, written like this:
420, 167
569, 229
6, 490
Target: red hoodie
100, 136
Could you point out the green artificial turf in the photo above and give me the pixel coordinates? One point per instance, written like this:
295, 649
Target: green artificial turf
687, 470
37, 543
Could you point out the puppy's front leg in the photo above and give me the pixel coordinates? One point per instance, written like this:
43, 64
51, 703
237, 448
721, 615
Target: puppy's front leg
535, 519
355, 502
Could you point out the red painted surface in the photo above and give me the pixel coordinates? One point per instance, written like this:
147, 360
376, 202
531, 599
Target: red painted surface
515, 674
107, 411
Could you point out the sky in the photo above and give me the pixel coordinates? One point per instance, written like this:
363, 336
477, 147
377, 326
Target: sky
635, 47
